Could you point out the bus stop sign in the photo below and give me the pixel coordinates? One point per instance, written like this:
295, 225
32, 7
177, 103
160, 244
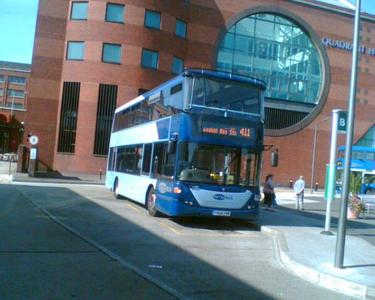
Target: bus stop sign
342, 122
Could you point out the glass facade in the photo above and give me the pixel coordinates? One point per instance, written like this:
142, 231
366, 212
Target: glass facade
75, 51
79, 11
180, 28
112, 53
368, 140
177, 65
150, 59
152, 19
115, 13
278, 51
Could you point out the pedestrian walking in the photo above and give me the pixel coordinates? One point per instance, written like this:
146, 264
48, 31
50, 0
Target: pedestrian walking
269, 191
299, 189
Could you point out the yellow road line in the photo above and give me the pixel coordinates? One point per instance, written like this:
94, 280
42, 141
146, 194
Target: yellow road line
171, 228
133, 207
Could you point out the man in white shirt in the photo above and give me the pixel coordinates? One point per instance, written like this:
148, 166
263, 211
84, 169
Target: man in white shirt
299, 188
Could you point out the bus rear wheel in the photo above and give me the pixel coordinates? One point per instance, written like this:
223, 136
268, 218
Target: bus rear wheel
151, 203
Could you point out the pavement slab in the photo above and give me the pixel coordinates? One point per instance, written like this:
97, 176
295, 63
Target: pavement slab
307, 253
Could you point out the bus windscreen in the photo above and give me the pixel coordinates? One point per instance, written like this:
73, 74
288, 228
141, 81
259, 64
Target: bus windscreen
219, 165
226, 94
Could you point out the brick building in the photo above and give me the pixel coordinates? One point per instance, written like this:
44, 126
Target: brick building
89, 54
13, 82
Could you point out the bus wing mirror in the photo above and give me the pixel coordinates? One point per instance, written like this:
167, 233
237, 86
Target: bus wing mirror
171, 146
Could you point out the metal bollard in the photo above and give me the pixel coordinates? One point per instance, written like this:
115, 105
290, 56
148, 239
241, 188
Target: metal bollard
290, 184
100, 174
316, 186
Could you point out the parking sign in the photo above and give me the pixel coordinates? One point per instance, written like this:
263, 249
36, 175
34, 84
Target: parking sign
342, 121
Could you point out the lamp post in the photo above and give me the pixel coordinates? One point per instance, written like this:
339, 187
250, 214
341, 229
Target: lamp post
314, 152
341, 228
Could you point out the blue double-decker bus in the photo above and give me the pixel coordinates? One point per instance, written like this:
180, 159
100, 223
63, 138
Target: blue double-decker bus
191, 147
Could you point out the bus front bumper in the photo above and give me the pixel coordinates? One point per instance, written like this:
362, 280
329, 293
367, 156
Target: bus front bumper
175, 208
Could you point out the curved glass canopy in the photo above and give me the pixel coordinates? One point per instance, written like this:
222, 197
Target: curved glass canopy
275, 49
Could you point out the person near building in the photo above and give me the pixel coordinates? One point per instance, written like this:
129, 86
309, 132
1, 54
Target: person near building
299, 189
269, 191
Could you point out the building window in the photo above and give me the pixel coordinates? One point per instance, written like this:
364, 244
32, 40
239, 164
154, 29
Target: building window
152, 19
68, 117
16, 93
150, 59
279, 51
2, 78
75, 51
115, 13
17, 80
79, 10
111, 53
1, 92
180, 30
177, 65
104, 116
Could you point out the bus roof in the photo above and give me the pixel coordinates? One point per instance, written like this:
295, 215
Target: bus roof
359, 149
196, 73
226, 75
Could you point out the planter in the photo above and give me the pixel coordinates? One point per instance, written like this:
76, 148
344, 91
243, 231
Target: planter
352, 213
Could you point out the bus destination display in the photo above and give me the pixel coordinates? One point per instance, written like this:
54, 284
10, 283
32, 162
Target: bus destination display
244, 132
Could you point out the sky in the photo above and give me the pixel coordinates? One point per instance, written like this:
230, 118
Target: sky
17, 28
367, 5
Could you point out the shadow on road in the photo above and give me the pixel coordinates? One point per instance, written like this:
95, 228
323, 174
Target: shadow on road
138, 246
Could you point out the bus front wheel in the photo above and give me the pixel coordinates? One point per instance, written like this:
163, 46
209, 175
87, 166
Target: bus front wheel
151, 203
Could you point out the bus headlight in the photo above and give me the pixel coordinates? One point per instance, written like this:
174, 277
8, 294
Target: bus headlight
177, 190
256, 198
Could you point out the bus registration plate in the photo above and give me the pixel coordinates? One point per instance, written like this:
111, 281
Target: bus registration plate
222, 213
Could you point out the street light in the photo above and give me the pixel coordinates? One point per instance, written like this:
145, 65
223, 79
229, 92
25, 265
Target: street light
314, 152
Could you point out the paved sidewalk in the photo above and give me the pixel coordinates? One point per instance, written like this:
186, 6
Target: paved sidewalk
68, 178
304, 251
8, 176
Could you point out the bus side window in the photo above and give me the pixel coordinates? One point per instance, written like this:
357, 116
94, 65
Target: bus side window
168, 163
163, 164
120, 160
146, 159
138, 160
157, 164
111, 158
